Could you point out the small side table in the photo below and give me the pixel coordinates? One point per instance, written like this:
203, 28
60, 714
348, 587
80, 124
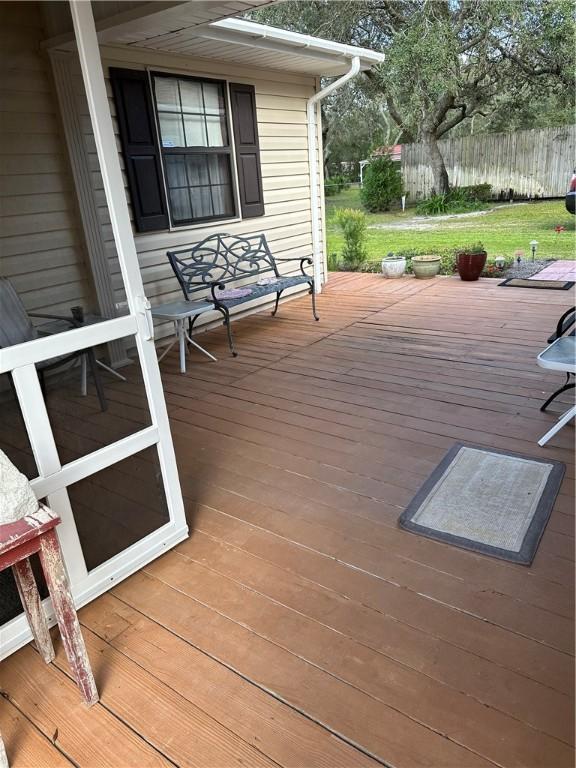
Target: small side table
179, 312
36, 533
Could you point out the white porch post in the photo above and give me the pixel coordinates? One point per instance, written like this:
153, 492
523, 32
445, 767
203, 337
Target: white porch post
101, 119
86, 195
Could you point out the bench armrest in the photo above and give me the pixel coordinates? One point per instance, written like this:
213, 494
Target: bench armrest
215, 285
303, 261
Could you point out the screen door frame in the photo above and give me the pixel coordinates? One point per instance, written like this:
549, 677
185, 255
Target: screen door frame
20, 361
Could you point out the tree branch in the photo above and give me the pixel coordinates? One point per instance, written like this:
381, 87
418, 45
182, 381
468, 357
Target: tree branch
453, 122
526, 68
443, 105
395, 115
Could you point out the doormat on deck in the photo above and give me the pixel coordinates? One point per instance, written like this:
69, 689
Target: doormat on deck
550, 285
491, 502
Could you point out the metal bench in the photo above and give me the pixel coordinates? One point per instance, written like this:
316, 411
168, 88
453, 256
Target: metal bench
221, 260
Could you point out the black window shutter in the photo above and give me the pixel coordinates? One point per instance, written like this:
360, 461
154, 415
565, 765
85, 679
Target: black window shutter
247, 149
136, 124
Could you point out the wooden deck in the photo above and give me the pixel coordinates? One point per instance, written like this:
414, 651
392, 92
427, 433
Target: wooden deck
298, 626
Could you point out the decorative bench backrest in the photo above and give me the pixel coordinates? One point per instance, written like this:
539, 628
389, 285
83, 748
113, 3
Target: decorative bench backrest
221, 259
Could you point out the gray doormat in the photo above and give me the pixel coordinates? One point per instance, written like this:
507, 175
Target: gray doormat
548, 285
492, 502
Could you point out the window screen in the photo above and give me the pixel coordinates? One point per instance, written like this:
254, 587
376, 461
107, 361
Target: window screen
195, 146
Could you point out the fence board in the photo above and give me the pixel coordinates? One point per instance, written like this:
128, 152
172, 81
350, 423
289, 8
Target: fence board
534, 163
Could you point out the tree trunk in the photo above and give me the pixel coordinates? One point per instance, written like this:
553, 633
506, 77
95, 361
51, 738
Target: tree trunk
439, 172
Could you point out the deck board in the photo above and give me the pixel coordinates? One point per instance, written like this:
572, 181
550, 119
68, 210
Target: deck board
298, 625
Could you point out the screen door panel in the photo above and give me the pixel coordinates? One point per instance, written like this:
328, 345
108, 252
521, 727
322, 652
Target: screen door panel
117, 507
79, 422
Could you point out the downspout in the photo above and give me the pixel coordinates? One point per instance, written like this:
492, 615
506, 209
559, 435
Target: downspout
313, 164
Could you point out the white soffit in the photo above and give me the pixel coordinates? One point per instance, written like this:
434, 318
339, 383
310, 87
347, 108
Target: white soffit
251, 44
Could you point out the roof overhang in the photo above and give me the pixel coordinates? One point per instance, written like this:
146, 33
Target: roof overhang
141, 21
179, 30
282, 49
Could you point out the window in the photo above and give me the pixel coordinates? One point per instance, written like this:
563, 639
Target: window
176, 141
195, 147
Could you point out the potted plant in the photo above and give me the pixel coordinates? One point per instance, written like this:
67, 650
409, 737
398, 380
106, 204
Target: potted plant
426, 266
470, 261
393, 266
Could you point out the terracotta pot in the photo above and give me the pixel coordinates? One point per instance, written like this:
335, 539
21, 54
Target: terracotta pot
470, 265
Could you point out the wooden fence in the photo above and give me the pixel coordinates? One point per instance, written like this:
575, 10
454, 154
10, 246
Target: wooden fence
535, 163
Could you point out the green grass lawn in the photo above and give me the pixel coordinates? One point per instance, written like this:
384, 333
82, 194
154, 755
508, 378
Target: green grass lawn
503, 231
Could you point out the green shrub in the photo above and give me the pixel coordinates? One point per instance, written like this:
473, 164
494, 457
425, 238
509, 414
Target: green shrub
353, 224
371, 266
335, 184
458, 200
333, 262
382, 185
472, 249
433, 206
482, 192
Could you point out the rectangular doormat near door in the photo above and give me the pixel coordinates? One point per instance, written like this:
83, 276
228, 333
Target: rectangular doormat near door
491, 502
549, 285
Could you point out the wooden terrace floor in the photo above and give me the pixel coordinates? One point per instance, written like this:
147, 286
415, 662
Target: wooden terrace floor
298, 626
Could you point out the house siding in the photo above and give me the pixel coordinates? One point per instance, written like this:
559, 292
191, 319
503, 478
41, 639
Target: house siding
43, 248
41, 243
281, 112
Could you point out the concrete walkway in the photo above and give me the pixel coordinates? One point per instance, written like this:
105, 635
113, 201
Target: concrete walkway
558, 270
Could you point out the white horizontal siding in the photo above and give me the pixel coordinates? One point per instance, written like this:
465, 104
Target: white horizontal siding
281, 112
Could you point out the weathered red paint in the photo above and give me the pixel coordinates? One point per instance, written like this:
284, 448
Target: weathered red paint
36, 533
33, 607
65, 612
29, 527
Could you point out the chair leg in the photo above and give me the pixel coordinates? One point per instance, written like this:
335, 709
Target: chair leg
65, 612
313, 294
569, 385
191, 322
91, 357
562, 421
32, 604
278, 294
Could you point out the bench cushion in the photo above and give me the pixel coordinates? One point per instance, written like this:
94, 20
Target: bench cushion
256, 291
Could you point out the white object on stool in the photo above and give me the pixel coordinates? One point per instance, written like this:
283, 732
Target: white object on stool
17, 499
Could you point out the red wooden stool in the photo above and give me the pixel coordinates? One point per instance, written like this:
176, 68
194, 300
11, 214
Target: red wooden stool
19, 540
